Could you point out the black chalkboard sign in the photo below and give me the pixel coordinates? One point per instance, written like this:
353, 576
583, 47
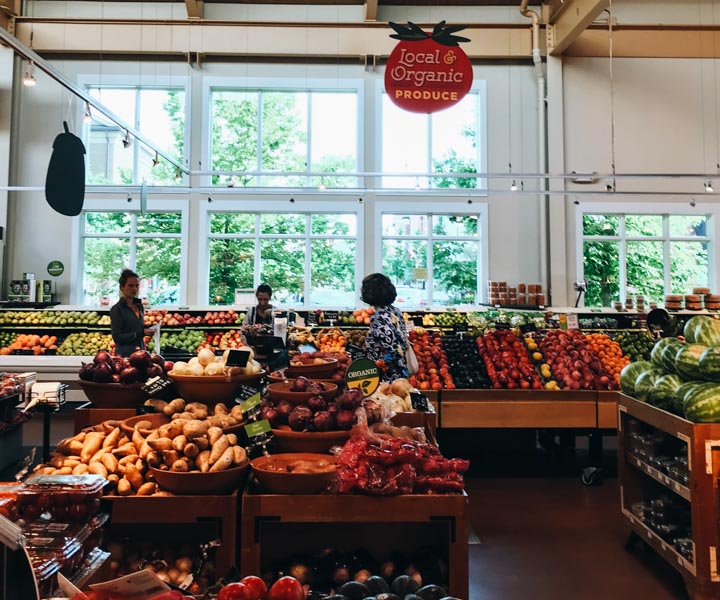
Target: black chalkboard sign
237, 358
159, 387
460, 327
502, 325
417, 321
354, 351
528, 328
311, 319
419, 402
331, 315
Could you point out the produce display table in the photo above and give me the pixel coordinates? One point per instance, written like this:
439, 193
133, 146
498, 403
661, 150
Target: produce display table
276, 527
653, 497
180, 517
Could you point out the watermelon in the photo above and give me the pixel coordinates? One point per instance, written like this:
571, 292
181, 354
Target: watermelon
667, 357
630, 373
680, 392
659, 347
663, 392
687, 360
645, 384
709, 364
702, 404
689, 328
702, 330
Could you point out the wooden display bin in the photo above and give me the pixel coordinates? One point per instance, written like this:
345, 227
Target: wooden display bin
87, 415
640, 478
607, 413
276, 527
218, 514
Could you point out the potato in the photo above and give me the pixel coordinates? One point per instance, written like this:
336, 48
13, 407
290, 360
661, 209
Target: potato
190, 450
179, 443
224, 461
198, 410
173, 429
181, 465
202, 443
237, 413
194, 429
147, 489
203, 461
154, 458
232, 438
156, 403
188, 416
170, 456
220, 409
124, 487
239, 455
177, 405
213, 433
161, 444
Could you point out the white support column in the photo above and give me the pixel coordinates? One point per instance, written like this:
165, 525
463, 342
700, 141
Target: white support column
6, 92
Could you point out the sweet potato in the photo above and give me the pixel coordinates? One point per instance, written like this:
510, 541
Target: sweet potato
91, 444
70, 462
128, 460
75, 447
80, 469
154, 458
134, 476
181, 465
203, 461
239, 455
179, 442
110, 462
145, 449
232, 438
147, 489
124, 487
112, 438
97, 468
213, 433
125, 450
96, 457
137, 439
202, 443
225, 460
113, 478
170, 456
218, 448
64, 471
172, 429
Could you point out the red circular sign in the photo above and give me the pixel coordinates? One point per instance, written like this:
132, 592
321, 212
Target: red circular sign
425, 76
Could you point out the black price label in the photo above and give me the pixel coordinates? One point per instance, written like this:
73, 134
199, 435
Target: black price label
158, 387
419, 402
245, 392
251, 407
499, 325
331, 315
460, 327
354, 351
311, 319
528, 328
237, 358
417, 321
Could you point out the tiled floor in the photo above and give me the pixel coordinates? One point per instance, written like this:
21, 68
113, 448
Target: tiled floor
554, 538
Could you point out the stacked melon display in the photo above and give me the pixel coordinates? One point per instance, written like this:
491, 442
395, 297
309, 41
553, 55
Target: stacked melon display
683, 375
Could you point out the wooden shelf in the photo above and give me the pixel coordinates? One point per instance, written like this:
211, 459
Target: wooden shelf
669, 483
277, 526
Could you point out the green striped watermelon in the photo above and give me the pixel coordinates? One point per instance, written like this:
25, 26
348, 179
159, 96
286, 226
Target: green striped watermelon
663, 392
630, 373
667, 357
680, 392
709, 364
702, 405
687, 360
702, 330
645, 383
659, 348
689, 328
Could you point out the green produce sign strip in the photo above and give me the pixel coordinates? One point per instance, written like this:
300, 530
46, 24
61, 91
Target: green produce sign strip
363, 374
257, 428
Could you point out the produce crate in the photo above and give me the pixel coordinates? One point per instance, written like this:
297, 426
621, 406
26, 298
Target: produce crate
275, 527
607, 413
518, 409
178, 514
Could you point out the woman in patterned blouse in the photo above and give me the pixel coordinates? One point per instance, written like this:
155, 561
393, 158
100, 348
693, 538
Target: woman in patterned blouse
387, 338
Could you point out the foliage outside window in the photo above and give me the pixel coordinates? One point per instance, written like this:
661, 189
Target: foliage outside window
307, 259
284, 131
149, 244
158, 113
433, 259
444, 142
643, 254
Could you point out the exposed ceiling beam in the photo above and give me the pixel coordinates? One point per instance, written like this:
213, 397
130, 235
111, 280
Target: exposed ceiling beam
194, 9
371, 10
553, 8
571, 22
220, 38
649, 41
9, 9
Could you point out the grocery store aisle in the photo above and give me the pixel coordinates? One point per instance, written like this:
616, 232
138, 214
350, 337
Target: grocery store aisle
554, 538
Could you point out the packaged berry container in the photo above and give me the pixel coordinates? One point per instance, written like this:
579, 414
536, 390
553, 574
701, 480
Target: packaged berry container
63, 497
45, 570
8, 508
68, 552
10, 489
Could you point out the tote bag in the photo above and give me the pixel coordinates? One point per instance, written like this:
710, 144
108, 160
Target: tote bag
410, 358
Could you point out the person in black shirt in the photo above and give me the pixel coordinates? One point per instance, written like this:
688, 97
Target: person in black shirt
262, 313
127, 316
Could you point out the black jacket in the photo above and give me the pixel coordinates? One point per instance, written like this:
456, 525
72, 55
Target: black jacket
126, 328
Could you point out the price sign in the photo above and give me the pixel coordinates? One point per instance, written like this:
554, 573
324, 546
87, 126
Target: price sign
573, 321
528, 328
331, 315
311, 319
237, 358
418, 321
460, 327
158, 387
499, 325
258, 428
354, 351
419, 402
251, 407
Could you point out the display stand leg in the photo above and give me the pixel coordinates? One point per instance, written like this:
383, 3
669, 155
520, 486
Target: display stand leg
631, 539
595, 448
46, 411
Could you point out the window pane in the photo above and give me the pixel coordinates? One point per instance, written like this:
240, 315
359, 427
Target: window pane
693, 225
161, 117
120, 101
282, 265
601, 269
282, 224
404, 145
333, 224
601, 224
284, 136
688, 266
232, 223
231, 268
455, 225
333, 137
158, 261
107, 222
234, 136
104, 259
399, 260
454, 143
332, 268
645, 273
159, 223
404, 224
636, 225
455, 272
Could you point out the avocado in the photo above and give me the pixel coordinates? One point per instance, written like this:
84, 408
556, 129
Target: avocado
404, 585
431, 592
377, 585
354, 590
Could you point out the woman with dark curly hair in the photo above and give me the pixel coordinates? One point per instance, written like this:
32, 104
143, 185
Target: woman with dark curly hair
387, 338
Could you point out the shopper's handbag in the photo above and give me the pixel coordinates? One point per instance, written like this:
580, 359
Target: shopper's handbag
411, 359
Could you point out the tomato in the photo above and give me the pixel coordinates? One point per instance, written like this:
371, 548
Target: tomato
286, 588
235, 591
257, 586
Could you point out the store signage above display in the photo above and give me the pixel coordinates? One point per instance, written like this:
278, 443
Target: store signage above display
55, 268
364, 374
427, 72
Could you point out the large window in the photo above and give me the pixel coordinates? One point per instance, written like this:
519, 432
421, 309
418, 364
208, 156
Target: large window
284, 131
449, 141
308, 259
150, 244
647, 254
116, 159
434, 258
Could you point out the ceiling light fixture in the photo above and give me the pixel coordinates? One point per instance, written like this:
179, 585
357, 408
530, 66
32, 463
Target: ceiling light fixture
127, 142
156, 160
513, 186
87, 115
29, 77
709, 186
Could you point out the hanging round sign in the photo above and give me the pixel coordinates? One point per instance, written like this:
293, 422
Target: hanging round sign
55, 268
427, 72
364, 374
